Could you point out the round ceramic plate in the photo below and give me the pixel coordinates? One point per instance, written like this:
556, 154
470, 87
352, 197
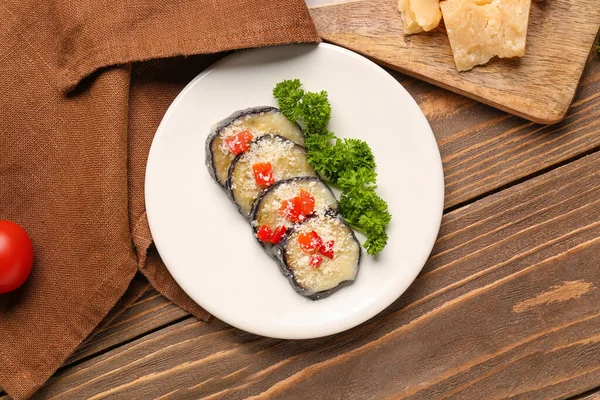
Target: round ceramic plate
207, 245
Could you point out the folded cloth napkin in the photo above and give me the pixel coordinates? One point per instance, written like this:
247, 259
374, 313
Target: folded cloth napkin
78, 110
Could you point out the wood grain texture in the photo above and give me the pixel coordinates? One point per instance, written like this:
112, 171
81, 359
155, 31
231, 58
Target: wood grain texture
484, 149
590, 395
151, 311
454, 334
539, 87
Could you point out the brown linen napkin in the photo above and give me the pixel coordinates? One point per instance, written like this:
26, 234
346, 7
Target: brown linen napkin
74, 135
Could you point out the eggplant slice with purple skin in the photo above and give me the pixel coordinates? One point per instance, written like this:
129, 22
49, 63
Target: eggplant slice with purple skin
288, 160
265, 210
278, 141
332, 274
259, 121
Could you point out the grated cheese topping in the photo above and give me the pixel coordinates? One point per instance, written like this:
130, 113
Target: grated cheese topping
268, 213
259, 124
287, 159
343, 266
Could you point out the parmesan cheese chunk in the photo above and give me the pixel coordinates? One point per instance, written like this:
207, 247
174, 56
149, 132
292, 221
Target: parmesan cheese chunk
419, 15
481, 29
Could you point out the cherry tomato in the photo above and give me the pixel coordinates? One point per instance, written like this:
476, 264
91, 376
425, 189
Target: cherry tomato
16, 256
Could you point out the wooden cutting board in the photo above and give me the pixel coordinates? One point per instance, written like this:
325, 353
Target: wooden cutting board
540, 86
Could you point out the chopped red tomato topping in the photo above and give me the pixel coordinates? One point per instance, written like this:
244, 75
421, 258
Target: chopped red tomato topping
327, 249
292, 209
264, 233
263, 174
310, 242
278, 234
239, 143
297, 208
316, 260
308, 202
247, 135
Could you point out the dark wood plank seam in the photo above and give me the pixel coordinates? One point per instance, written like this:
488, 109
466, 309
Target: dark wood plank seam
441, 253
123, 343
520, 143
587, 395
539, 146
521, 180
506, 365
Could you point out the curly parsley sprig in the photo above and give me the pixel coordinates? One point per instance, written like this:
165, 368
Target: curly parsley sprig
348, 164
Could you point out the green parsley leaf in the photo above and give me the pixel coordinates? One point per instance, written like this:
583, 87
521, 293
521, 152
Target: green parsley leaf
289, 94
348, 164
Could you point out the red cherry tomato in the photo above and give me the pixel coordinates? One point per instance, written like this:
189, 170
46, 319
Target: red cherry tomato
16, 256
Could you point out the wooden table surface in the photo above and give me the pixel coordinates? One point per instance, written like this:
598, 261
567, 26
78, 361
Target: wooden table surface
508, 304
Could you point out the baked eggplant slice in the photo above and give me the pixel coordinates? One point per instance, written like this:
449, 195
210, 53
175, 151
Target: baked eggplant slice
286, 158
266, 209
259, 121
319, 280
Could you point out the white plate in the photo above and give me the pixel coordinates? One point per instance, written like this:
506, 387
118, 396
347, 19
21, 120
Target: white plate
208, 247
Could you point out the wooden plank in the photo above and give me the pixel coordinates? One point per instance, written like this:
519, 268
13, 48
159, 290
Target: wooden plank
150, 312
484, 149
539, 87
506, 306
590, 395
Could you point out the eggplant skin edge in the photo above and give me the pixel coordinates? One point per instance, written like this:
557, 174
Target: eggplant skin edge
219, 126
228, 188
329, 211
278, 253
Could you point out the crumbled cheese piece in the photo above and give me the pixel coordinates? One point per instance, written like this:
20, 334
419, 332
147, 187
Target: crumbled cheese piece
330, 273
268, 213
259, 124
419, 15
286, 158
481, 29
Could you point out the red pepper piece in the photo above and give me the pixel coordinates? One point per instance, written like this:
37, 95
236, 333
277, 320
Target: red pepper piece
308, 202
278, 234
316, 260
263, 174
264, 233
247, 135
310, 242
239, 143
292, 209
327, 249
